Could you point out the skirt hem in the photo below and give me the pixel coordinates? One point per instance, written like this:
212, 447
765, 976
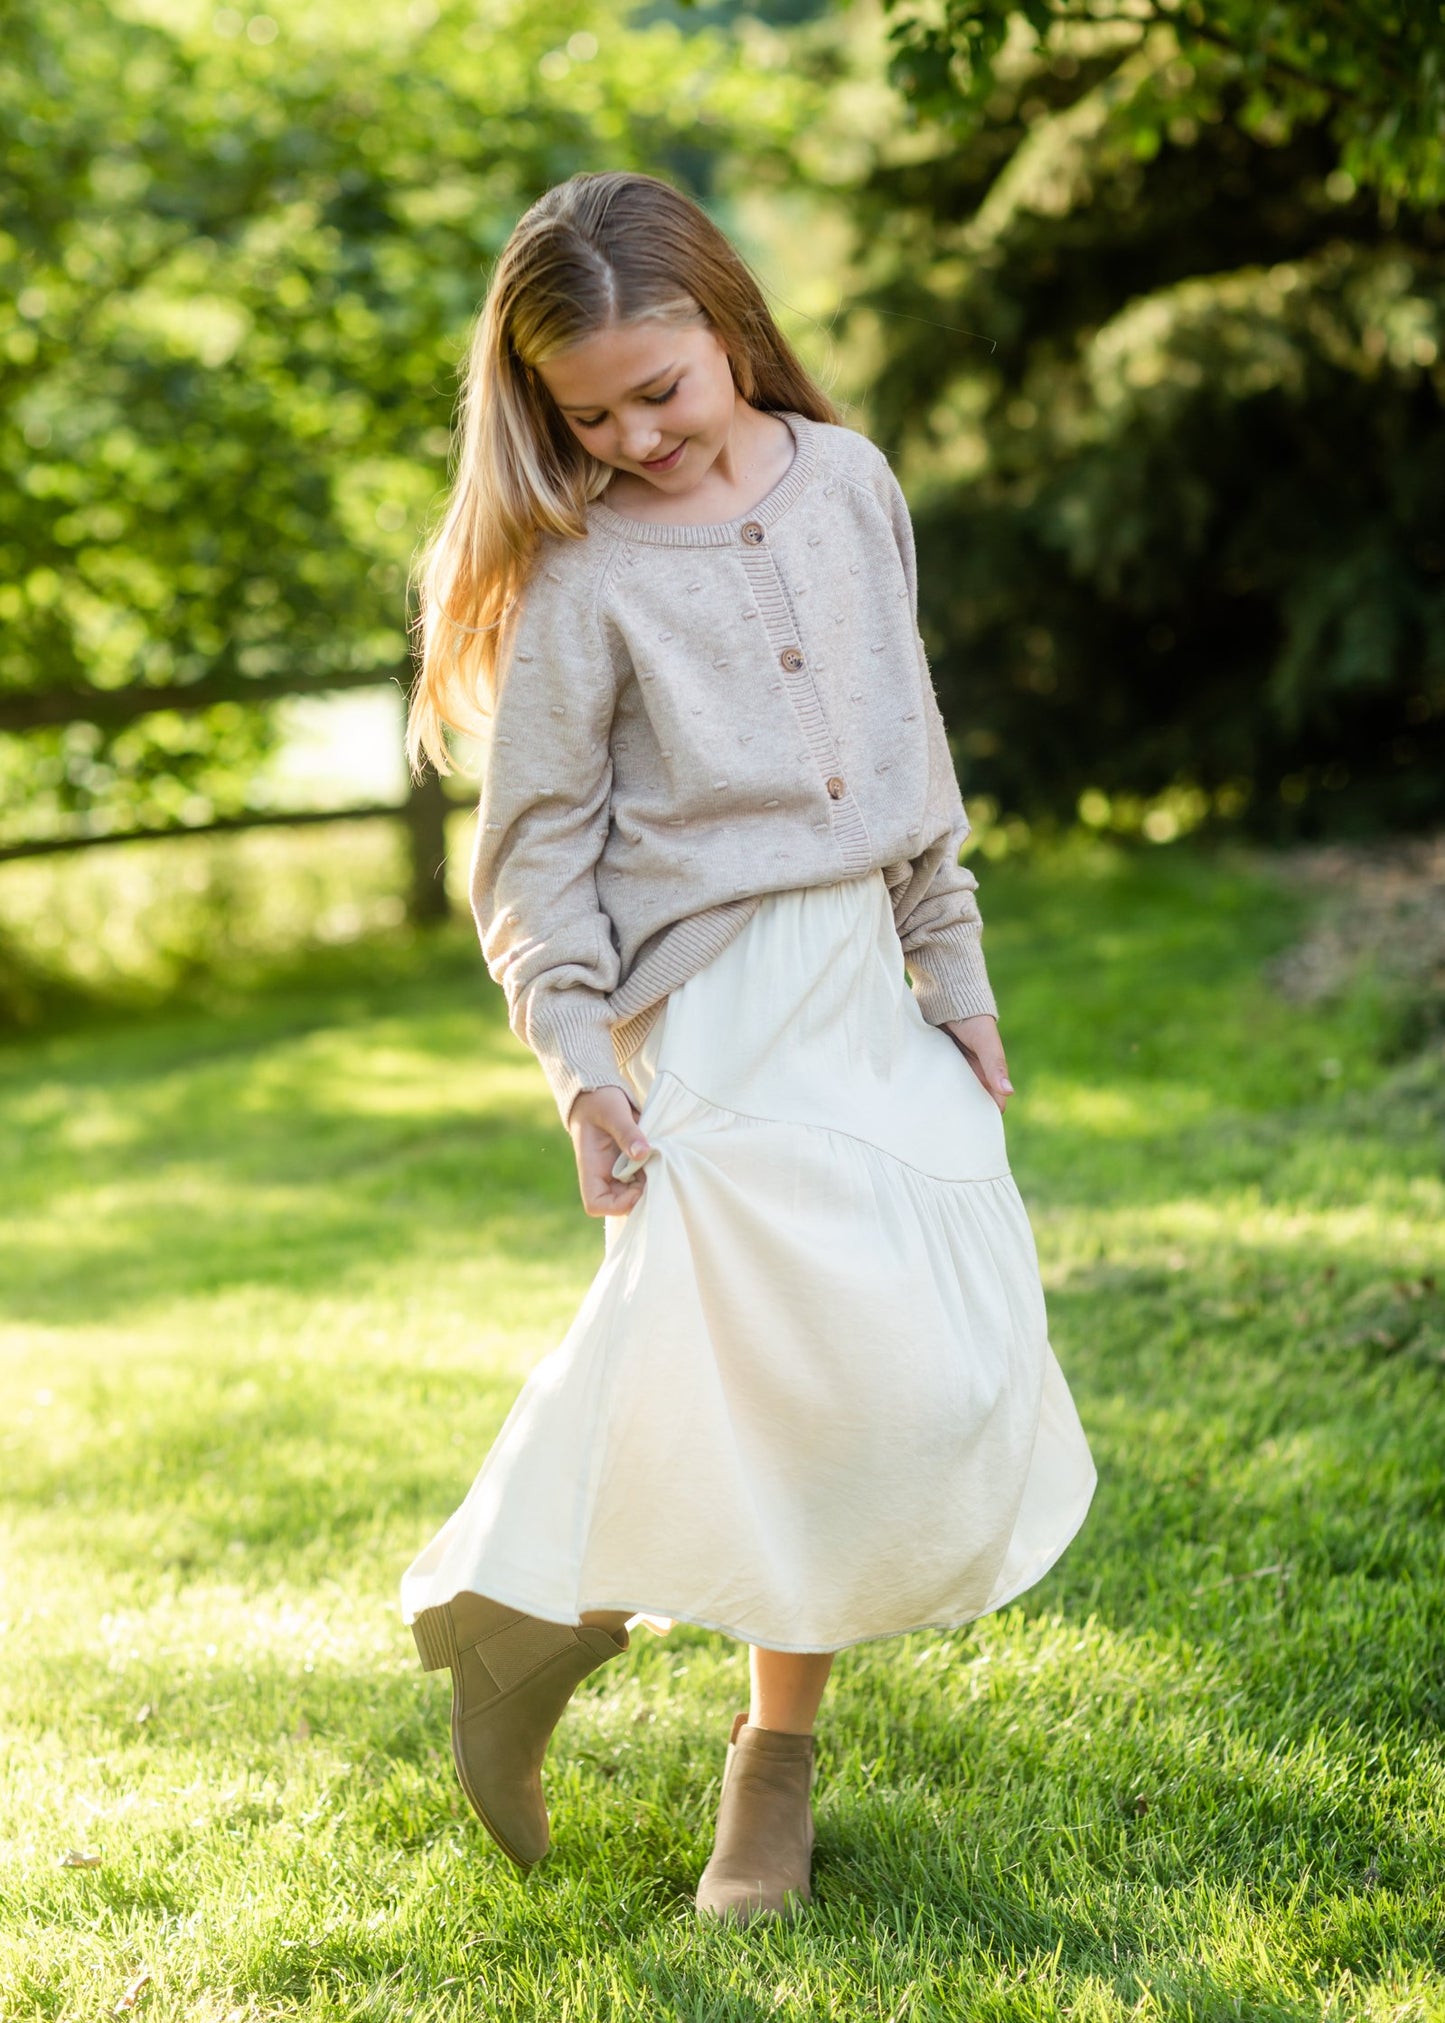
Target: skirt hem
811, 1375
1042, 1564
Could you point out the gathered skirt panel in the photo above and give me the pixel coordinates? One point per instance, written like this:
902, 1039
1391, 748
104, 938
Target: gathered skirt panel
809, 1398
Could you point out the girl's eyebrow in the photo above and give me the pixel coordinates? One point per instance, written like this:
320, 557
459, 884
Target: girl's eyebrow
586, 407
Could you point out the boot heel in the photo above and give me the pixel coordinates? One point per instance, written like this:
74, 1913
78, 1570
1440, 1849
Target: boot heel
435, 1642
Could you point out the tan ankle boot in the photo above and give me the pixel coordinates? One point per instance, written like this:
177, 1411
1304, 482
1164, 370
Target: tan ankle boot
512, 1675
761, 1862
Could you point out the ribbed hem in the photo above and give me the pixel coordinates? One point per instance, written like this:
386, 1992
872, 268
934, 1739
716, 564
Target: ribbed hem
583, 1040
949, 977
673, 956
724, 533
574, 1047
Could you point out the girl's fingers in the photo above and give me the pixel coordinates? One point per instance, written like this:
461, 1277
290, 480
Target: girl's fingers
612, 1197
999, 1085
629, 1162
992, 1071
613, 1180
611, 1147
631, 1138
614, 1204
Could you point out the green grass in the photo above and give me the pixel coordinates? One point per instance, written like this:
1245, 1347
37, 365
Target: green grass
272, 1275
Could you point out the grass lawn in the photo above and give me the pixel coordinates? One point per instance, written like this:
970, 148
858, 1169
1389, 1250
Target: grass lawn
272, 1274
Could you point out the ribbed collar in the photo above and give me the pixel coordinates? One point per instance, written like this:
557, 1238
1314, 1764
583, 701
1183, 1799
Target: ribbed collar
724, 533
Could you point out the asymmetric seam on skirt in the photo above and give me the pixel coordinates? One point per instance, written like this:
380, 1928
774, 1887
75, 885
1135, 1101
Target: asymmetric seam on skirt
808, 1398
832, 1131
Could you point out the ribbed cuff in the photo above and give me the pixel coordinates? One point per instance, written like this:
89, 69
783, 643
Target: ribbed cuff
949, 977
573, 1043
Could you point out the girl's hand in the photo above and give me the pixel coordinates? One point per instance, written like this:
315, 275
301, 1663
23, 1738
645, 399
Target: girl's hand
978, 1041
603, 1123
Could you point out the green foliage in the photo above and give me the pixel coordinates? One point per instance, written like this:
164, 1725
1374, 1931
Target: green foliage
272, 1279
1372, 73
1181, 523
236, 274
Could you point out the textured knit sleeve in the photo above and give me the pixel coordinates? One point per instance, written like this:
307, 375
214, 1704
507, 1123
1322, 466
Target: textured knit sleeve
541, 827
934, 906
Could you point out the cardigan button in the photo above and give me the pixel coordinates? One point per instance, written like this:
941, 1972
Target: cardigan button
752, 532
790, 660
836, 787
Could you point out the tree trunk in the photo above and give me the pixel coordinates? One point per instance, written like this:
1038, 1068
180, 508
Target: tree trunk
426, 822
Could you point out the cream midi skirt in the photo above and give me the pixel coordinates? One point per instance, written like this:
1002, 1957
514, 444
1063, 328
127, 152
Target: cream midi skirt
809, 1397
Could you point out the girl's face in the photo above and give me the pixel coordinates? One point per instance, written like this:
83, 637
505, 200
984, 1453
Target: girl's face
655, 399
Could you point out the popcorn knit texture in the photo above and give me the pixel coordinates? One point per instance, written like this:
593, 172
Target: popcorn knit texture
689, 717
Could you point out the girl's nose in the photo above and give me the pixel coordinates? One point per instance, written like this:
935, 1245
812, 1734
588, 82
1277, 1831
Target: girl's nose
641, 449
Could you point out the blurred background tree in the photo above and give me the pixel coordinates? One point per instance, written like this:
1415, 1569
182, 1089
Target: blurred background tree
1145, 299
238, 257
1182, 500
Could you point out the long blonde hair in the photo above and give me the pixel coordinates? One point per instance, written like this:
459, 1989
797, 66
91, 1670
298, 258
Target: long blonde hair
596, 250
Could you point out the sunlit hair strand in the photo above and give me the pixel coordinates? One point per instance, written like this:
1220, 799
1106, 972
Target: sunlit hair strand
597, 250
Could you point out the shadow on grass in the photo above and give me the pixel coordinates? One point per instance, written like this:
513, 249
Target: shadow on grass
1197, 1766
311, 1139
986, 1839
303, 1155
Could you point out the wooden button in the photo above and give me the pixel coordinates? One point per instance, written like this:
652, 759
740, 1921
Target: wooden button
790, 659
836, 788
752, 532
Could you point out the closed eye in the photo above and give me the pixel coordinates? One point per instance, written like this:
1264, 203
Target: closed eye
652, 400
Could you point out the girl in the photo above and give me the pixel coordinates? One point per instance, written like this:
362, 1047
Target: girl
809, 1398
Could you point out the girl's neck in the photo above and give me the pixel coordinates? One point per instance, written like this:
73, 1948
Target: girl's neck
755, 456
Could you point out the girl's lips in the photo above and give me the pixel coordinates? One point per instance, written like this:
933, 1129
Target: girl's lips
665, 463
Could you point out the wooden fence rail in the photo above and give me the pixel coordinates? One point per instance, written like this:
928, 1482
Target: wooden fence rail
47, 709
423, 812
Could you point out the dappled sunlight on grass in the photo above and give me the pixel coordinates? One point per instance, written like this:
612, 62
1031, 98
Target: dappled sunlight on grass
1104, 1112
1175, 1827
1384, 1236
273, 1277
1394, 1234
280, 1158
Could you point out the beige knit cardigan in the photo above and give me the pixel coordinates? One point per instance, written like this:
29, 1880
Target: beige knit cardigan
689, 717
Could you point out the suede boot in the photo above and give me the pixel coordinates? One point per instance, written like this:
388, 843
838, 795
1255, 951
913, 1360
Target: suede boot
761, 1862
512, 1675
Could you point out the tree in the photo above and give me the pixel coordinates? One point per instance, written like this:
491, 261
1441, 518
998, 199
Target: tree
1181, 524
236, 273
1369, 73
